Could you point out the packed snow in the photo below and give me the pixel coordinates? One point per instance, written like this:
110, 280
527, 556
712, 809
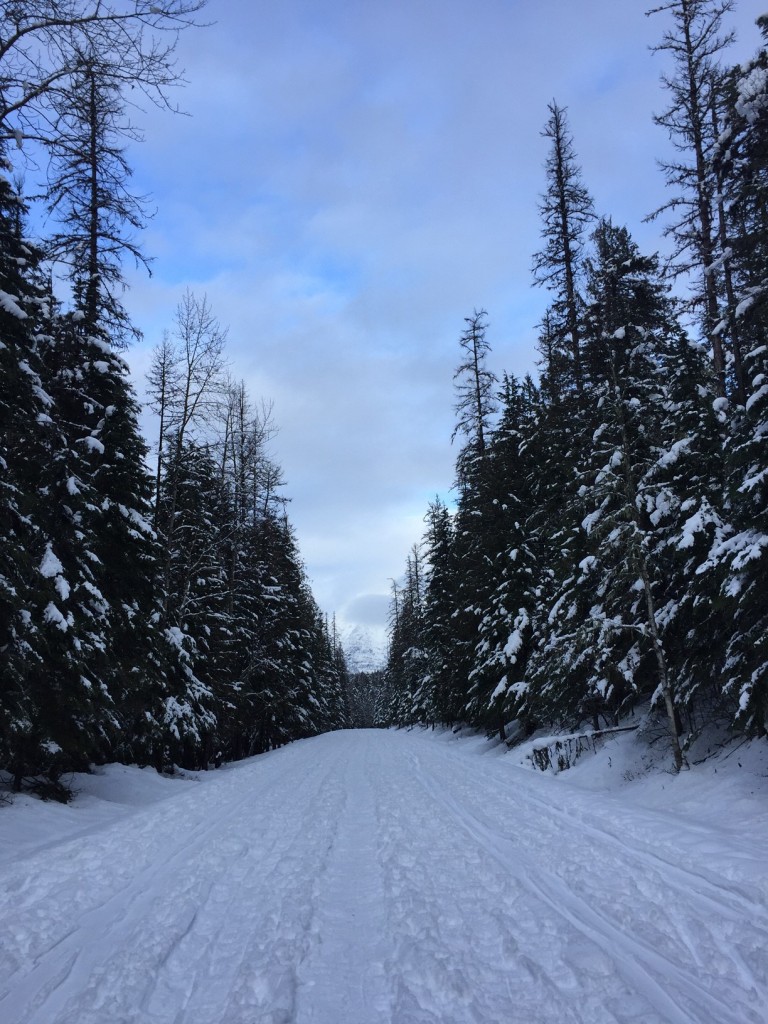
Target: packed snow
385, 877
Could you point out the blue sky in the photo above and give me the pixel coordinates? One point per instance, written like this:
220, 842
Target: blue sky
352, 180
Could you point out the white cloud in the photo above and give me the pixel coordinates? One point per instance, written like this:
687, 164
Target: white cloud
353, 181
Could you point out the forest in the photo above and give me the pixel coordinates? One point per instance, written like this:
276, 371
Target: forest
153, 605
607, 546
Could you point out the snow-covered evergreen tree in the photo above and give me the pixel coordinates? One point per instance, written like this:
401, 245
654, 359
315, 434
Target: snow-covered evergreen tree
504, 631
741, 557
441, 691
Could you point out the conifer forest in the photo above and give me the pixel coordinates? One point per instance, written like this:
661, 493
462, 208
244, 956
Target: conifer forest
608, 545
153, 603
609, 541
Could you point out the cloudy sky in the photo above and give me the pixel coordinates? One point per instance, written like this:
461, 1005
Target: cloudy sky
353, 179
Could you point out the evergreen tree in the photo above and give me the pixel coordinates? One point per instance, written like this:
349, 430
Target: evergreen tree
609, 619
442, 691
693, 123
504, 632
475, 405
477, 515
408, 682
739, 557
88, 193
566, 211
34, 589
98, 412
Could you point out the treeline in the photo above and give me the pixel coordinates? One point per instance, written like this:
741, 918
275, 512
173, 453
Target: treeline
159, 617
610, 538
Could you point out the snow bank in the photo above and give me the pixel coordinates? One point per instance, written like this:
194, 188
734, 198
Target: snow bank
110, 793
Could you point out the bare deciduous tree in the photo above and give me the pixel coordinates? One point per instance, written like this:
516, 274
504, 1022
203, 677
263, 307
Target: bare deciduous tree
44, 43
188, 387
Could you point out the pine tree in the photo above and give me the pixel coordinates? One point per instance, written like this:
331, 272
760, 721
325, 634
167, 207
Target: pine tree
25, 424
410, 687
475, 404
441, 691
566, 211
54, 714
475, 521
504, 632
607, 621
88, 193
693, 123
279, 678
98, 413
739, 557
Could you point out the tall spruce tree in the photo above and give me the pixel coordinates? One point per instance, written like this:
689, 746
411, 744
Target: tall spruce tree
35, 620
474, 532
88, 193
409, 685
695, 43
566, 211
607, 624
740, 557
504, 631
96, 215
440, 694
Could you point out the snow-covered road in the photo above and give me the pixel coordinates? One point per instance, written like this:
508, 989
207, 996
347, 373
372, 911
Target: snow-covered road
387, 878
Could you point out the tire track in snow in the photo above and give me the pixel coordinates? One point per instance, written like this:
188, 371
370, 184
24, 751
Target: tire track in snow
728, 901
259, 911
471, 944
647, 971
142, 922
232, 904
716, 918
343, 977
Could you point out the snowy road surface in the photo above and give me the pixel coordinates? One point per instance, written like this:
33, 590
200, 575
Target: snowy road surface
386, 878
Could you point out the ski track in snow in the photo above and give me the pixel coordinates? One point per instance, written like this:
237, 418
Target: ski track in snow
387, 878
